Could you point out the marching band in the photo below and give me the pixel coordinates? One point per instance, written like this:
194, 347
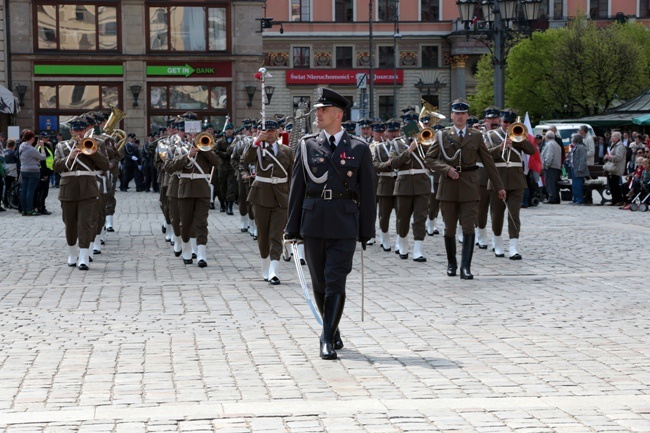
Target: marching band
420, 167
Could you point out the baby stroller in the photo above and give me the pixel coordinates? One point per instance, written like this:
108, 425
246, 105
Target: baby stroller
639, 203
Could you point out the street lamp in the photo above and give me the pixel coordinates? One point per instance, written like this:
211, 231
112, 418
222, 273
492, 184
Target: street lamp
250, 91
498, 14
21, 89
269, 93
135, 91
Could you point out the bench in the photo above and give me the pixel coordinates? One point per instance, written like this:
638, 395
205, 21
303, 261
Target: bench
597, 181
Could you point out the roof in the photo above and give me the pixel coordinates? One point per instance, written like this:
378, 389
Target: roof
621, 115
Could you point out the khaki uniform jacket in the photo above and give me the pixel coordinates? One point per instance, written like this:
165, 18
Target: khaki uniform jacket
512, 174
199, 185
75, 188
383, 169
412, 172
473, 150
270, 194
173, 152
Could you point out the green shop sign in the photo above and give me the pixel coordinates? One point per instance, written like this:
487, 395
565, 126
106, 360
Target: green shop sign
212, 69
78, 70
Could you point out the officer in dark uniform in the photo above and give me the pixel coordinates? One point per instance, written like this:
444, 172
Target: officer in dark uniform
226, 181
132, 159
331, 205
454, 154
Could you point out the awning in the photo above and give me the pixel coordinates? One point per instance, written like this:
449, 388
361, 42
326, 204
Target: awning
8, 102
642, 120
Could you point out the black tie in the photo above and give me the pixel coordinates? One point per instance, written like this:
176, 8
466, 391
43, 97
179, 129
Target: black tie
332, 143
460, 135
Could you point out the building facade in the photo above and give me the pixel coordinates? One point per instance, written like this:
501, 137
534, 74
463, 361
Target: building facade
418, 49
155, 59
152, 59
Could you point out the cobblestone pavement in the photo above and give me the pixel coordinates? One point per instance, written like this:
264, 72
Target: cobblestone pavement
558, 342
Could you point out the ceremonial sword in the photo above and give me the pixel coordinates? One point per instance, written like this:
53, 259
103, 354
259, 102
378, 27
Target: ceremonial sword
301, 277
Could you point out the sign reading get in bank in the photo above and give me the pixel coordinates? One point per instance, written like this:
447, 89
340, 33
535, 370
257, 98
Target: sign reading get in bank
340, 76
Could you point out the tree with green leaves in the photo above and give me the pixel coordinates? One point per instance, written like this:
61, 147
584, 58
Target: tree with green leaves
578, 70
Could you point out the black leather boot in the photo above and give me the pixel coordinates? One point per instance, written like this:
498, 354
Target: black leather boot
222, 206
229, 208
320, 303
332, 312
450, 247
466, 257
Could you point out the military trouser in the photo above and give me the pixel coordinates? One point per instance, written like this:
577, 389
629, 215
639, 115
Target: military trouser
483, 206
175, 214
193, 213
498, 209
164, 205
434, 206
242, 187
415, 205
101, 213
270, 225
79, 217
227, 184
111, 203
386, 206
464, 212
329, 262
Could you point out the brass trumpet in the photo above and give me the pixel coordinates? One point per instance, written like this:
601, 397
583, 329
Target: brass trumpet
204, 142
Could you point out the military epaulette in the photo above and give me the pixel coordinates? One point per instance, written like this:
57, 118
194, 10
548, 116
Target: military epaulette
304, 137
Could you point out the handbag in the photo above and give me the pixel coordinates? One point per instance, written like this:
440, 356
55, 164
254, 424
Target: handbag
610, 167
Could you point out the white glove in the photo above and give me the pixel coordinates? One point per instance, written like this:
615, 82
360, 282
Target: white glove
135, 158
139, 167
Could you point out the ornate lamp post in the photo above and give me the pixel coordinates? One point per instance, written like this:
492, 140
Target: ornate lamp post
499, 16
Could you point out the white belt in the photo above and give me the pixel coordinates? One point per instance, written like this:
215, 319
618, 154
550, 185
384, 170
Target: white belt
194, 176
413, 171
508, 164
273, 180
79, 173
386, 174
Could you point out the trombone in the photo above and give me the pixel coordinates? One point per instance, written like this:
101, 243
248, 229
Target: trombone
204, 142
517, 132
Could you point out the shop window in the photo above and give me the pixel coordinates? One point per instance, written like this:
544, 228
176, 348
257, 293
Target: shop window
386, 56
344, 57
301, 57
386, 107
300, 10
187, 28
429, 10
77, 27
430, 56
343, 11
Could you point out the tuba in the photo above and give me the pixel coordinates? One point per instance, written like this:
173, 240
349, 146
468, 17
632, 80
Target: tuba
113, 120
517, 132
204, 142
426, 134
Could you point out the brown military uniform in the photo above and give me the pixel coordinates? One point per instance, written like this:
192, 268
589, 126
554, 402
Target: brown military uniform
386, 182
79, 192
194, 193
269, 195
511, 173
412, 189
459, 197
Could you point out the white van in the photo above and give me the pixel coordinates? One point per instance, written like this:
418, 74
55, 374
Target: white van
566, 130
